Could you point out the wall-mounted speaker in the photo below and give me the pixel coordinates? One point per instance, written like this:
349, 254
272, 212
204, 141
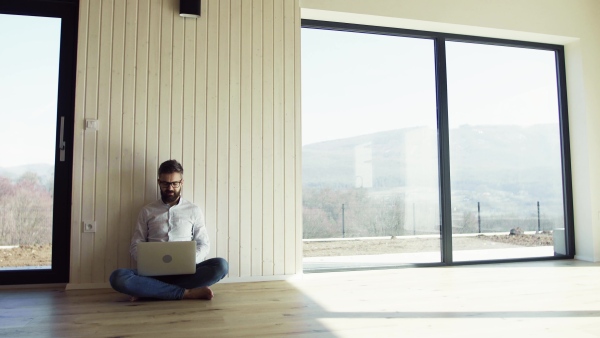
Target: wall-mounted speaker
189, 8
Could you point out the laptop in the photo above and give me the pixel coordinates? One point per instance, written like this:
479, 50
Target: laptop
166, 258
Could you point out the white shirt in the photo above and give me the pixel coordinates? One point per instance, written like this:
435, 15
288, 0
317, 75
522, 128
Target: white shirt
159, 222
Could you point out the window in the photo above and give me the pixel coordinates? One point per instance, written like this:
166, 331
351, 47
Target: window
504, 149
37, 77
425, 148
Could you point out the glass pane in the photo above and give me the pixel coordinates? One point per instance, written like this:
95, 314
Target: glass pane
28, 88
369, 155
505, 158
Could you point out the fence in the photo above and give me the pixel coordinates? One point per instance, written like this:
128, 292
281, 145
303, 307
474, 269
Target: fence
403, 219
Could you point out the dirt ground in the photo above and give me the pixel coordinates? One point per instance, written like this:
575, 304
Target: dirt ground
27, 255
406, 245
40, 255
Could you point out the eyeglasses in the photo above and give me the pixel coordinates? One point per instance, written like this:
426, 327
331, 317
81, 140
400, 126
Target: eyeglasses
165, 184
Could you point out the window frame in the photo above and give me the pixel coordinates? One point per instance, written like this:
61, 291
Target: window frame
68, 12
439, 40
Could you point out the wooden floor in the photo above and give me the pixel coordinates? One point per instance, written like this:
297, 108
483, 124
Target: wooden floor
538, 299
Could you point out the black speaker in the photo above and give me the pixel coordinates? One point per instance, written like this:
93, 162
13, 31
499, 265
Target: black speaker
189, 8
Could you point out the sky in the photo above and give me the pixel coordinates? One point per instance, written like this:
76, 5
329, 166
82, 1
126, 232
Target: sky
355, 84
29, 54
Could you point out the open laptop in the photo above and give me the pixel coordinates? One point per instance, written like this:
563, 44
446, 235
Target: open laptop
166, 258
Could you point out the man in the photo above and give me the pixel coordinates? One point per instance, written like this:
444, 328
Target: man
172, 218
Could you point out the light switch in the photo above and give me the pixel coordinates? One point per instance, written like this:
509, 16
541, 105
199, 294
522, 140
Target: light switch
91, 124
89, 226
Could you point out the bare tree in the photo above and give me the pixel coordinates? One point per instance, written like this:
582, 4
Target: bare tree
25, 211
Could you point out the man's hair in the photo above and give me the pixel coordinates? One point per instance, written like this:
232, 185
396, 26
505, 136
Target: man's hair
169, 167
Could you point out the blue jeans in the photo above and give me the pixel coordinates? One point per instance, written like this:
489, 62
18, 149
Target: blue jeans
128, 281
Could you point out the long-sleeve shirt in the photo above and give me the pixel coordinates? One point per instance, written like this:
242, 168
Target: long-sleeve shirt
159, 222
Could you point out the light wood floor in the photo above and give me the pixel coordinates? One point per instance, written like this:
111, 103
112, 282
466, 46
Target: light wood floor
540, 299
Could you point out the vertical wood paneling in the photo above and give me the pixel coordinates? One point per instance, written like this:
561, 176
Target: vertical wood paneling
219, 93
246, 140
278, 143
222, 245
257, 151
123, 222
289, 100
176, 90
142, 95
298, 141
233, 241
165, 85
105, 118
153, 97
117, 177
189, 91
89, 142
212, 84
78, 144
200, 111
267, 141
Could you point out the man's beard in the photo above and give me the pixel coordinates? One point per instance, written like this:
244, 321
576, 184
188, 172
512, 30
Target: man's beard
166, 198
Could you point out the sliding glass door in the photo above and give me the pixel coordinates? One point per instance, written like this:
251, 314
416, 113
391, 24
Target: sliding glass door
425, 148
370, 169
36, 107
505, 152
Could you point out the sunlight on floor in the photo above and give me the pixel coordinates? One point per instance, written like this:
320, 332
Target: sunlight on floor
513, 299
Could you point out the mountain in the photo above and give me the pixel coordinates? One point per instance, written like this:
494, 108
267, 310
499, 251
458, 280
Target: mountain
482, 158
43, 170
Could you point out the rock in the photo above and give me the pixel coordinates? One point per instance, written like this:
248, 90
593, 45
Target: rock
517, 231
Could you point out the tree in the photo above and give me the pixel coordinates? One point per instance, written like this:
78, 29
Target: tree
25, 211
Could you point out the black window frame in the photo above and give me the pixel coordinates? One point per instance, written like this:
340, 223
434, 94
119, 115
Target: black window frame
68, 12
439, 40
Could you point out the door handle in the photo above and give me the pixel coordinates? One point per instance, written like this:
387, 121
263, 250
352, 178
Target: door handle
61, 142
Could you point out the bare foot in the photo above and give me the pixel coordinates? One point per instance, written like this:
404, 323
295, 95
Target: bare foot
199, 293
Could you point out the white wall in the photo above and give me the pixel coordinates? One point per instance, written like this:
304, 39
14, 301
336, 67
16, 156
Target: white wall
572, 23
220, 94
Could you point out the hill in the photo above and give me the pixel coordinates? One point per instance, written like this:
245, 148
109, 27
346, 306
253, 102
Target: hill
505, 167
44, 171
507, 157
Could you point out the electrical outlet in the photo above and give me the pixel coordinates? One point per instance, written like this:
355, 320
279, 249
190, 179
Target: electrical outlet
91, 124
89, 226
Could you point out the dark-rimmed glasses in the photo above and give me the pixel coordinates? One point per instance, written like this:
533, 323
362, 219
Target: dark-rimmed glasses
165, 184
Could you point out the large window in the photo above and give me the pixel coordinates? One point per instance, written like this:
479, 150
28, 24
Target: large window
37, 88
370, 170
422, 148
504, 149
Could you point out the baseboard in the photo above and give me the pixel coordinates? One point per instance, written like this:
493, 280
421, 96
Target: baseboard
585, 258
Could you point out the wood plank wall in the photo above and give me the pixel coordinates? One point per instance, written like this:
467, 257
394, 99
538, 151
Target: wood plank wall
221, 94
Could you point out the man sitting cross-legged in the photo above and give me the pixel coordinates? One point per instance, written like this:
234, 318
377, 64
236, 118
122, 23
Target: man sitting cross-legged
172, 218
